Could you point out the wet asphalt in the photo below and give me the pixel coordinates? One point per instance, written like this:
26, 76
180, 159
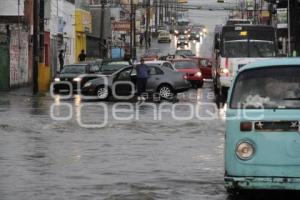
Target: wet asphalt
75, 149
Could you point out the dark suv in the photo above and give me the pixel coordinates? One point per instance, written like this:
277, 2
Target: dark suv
76, 74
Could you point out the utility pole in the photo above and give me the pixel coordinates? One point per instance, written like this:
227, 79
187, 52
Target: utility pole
102, 29
41, 32
134, 32
35, 72
131, 29
155, 6
147, 23
289, 27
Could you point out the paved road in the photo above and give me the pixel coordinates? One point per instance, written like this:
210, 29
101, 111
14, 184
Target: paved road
47, 151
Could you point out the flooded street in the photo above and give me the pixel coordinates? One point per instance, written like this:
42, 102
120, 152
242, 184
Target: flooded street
42, 158
53, 149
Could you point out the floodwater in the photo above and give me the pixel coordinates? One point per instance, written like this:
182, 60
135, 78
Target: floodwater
52, 148
44, 157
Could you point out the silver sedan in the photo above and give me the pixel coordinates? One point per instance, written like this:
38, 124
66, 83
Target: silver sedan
162, 81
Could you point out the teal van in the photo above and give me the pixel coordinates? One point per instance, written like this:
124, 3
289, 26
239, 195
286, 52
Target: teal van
262, 144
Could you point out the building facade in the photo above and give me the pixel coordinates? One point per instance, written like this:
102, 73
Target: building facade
15, 67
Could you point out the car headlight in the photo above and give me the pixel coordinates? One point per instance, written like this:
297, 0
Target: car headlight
57, 79
201, 33
245, 150
185, 32
197, 35
198, 74
88, 84
205, 30
189, 35
176, 31
77, 79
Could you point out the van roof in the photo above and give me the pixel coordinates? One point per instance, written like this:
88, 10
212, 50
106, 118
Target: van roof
273, 62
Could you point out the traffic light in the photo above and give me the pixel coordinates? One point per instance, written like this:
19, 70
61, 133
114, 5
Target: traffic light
220, 1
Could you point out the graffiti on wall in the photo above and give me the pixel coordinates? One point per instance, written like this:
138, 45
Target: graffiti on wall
18, 57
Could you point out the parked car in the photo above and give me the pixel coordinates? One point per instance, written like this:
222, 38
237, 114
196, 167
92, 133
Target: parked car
76, 74
205, 67
191, 69
186, 53
182, 40
109, 67
164, 36
164, 81
262, 128
163, 28
160, 63
151, 54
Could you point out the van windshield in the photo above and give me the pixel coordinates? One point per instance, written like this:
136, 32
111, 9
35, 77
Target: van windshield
267, 88
251, 48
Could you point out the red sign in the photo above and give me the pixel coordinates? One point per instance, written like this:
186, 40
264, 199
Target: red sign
121, 26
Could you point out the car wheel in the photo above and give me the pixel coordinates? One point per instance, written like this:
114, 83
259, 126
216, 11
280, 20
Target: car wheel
165, 91
102, 92
200, 85
55, 90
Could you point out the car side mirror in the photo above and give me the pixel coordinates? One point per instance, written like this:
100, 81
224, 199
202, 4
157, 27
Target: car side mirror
279, 44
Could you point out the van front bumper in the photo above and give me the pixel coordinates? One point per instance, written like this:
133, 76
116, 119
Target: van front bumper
262, 183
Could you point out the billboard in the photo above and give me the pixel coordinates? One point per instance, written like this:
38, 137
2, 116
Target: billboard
282, 18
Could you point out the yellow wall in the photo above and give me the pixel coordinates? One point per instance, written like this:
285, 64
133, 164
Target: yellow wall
80, 44
83, 25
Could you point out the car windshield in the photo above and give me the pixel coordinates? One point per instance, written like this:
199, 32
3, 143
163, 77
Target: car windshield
153, 51
184, 53
253, 48
112, 67
185, 64
269, 88
74, 69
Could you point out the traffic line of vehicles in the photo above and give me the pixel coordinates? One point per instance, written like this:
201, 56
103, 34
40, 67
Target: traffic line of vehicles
169, 75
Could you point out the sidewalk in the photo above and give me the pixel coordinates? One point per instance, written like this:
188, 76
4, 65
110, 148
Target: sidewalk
21, 91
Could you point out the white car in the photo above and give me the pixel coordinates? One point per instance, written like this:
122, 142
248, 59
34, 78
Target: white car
160, 63
164, 36
182, 40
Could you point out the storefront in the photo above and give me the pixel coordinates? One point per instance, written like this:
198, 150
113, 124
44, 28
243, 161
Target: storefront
83, 25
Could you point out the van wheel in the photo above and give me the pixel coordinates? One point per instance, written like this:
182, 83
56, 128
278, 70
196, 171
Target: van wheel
233, 192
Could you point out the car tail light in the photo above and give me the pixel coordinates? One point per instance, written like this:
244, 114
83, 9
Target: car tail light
246, 126
199, 74
185, 77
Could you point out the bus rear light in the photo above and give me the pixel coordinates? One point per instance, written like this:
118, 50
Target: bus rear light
246, 126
